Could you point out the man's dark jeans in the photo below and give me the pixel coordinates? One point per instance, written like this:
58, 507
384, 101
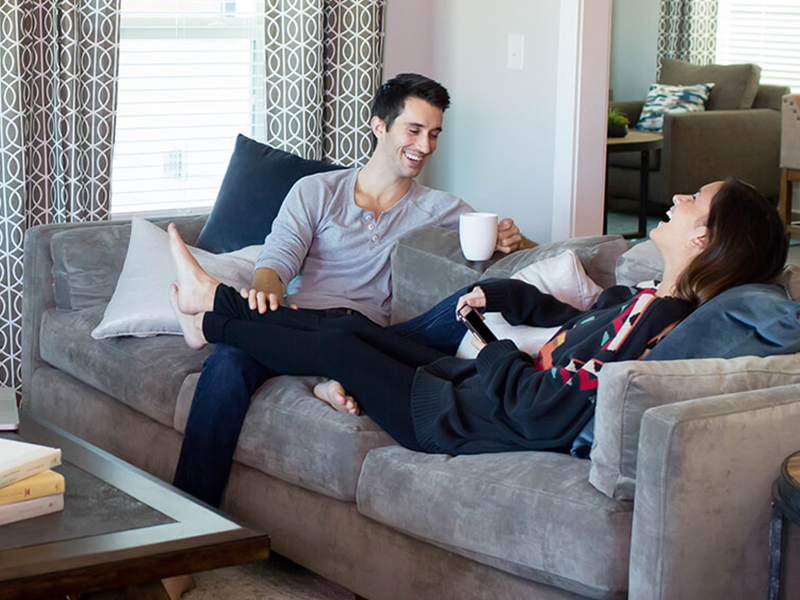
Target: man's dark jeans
229, 379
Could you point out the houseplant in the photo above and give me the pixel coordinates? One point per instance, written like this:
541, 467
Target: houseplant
617, 123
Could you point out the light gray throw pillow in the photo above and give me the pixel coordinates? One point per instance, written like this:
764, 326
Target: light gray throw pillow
140, 305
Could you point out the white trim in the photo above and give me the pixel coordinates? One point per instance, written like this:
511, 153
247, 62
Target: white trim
581, 107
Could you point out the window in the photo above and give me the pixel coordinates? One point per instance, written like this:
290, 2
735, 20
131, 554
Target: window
764, 32
191, 77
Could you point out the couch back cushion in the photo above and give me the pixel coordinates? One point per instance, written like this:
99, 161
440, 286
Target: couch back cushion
735, 86
88, 259
643, 262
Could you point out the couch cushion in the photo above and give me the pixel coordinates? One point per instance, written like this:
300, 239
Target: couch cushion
292, 436
735, 86
529, 513
643, 262
252, 191
145, 374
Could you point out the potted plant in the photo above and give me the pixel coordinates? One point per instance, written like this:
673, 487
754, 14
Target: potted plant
617, 123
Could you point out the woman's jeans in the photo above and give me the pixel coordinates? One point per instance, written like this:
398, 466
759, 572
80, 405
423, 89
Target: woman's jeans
229, 379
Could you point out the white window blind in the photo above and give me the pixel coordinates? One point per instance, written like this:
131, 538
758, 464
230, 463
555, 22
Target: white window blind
764, 32
191, 77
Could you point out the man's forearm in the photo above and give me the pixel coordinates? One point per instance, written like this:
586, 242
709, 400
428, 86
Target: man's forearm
266, 280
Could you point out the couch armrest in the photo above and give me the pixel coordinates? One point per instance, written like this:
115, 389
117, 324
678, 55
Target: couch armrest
38, 295
628, 389
702, 506
701, 147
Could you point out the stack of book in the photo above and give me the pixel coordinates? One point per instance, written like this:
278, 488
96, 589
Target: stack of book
28, 488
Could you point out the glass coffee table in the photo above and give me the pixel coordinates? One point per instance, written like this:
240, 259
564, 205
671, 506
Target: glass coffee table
120, 527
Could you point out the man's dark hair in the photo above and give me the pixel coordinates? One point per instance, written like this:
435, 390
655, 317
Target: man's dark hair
390, 99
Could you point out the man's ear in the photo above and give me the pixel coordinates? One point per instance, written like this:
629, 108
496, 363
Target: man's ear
378, 126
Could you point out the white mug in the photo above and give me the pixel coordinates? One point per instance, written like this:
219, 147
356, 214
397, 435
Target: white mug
477, 233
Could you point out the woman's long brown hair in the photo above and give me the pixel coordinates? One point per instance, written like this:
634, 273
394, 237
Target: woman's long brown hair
746, 243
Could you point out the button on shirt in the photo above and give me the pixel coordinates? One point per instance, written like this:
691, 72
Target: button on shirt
336, 254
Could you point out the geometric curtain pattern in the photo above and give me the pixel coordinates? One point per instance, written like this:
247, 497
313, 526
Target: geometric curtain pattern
354, 35
58, 73
687, 30
293, 46
324, 61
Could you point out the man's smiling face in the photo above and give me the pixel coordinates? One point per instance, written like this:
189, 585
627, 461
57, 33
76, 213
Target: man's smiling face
411, 138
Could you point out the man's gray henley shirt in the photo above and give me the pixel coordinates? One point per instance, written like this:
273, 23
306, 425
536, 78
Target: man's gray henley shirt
335, 254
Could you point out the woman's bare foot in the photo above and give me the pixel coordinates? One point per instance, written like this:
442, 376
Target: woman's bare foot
191, 325
178, 586
196, 288
332, 392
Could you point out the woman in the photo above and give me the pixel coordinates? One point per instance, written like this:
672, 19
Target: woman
724, 235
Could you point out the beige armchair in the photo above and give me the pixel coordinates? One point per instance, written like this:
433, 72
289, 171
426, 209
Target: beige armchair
739, 134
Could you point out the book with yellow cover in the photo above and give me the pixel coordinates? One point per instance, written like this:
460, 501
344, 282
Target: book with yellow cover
43, 484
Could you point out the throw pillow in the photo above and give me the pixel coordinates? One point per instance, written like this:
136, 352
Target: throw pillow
662, 99
748, 320
140, 305
562, 276
252, 191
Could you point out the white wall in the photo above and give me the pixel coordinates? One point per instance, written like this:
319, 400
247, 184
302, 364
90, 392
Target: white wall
634, 44
496, 151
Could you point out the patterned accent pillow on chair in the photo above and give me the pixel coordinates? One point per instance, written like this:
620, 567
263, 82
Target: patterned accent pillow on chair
663, 99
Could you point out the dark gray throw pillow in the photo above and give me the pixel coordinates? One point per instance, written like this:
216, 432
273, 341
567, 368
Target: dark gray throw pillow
748, 320
252, 191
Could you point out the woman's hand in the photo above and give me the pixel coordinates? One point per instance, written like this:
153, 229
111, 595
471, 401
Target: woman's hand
477, 343
476, 299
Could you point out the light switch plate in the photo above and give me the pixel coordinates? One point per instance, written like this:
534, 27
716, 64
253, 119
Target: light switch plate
516, 50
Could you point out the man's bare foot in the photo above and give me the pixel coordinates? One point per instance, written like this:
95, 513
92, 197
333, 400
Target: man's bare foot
333, 393
178, 586
191, 325
196, 288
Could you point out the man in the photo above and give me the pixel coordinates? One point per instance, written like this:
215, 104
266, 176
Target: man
329, 251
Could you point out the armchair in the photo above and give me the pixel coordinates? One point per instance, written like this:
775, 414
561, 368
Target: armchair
738, 134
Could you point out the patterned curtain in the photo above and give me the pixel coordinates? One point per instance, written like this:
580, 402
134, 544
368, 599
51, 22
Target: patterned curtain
324, 62
58, 69
687, 30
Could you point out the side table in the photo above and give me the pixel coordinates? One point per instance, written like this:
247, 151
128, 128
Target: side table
785, 505
635, 141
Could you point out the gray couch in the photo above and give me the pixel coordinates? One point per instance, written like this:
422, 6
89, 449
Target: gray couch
683, 512
738, 134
